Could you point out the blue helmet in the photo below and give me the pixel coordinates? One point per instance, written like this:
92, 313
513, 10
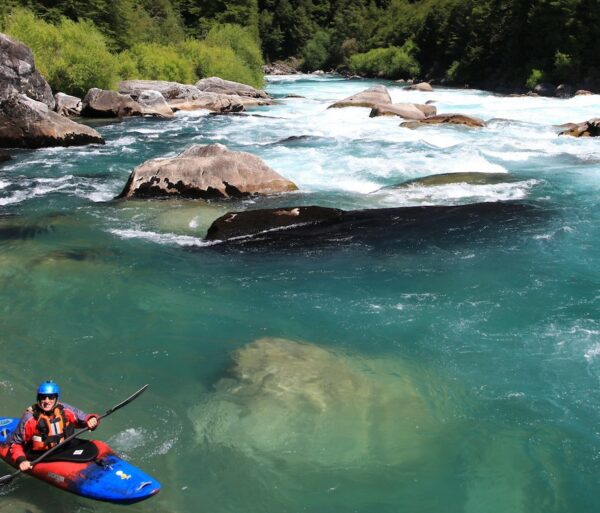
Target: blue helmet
48, 388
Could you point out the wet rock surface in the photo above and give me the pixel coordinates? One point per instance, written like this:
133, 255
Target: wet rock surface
307, 226
220, 86
590, 128
67, 105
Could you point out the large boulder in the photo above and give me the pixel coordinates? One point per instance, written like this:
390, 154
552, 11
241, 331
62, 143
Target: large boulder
447, 119
404, 110
376, 95
169, 90
99, 103
18, 74
205, 171
220, 86
209, 101
590, 128
26, 123
67, 105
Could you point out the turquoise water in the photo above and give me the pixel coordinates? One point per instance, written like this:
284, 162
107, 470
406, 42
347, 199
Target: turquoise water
452, 372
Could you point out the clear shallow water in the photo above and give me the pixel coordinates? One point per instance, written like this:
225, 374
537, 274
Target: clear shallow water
456, 372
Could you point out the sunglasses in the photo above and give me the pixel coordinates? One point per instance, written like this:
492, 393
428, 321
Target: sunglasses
52, 397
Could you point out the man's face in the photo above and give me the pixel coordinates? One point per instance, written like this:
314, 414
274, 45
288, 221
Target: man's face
47, 402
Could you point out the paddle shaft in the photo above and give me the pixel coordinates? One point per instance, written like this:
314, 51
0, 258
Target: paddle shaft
9, 477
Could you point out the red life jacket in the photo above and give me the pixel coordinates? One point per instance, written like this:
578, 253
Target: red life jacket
50, 430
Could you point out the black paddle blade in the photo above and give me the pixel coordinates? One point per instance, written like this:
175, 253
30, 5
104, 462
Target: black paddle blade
4, 480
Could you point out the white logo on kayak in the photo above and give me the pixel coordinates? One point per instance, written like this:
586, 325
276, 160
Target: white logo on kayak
123, 475
5, 422
56, 477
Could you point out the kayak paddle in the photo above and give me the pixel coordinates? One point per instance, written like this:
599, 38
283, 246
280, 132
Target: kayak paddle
9, 477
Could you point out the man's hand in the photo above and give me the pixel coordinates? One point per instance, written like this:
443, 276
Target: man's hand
92, 423
24, 466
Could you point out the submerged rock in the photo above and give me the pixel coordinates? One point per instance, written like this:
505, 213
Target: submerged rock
305, 226
301, 403
376, 95
473, 178
18, 74
205, 171
26, 123
4, 156
590, 128
449, 119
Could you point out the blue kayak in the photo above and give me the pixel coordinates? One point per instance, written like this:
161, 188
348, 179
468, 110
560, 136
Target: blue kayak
88, 468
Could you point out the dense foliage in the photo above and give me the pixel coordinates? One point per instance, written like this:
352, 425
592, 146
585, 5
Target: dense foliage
81, 44
486, 43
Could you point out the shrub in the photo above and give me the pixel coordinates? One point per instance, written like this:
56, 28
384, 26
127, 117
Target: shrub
209, 61
316, 51
243, 44
161, 62
536, 76
392, 62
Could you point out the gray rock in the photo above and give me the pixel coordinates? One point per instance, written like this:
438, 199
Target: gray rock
99, 103
205, 171
26, 123
154, 103
67, 105
18, 74
169, 90
583, 92
209, 101
376, 95
220, 86
404, 110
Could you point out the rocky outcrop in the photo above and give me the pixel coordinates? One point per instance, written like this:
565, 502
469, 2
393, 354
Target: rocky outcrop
99, 103
205, 171
18, 74
67, 105
304, 226
590, 128
449, 119
189, 97
26, 123
220, 86
376, 95
404, 110
421, 86
583, 92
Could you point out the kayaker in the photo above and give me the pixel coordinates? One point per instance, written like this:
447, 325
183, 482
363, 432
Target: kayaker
45, 424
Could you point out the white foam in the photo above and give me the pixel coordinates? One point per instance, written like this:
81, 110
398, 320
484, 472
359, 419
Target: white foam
162, 238
4, 184
592, 353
